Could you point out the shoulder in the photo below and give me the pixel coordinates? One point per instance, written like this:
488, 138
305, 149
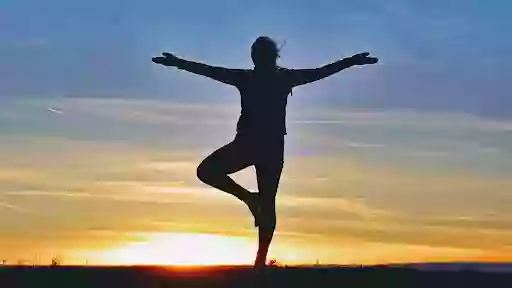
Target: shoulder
241, 73
240, 76
287, 72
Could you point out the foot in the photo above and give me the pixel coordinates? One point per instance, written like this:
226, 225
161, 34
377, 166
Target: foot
254, 205
259, 263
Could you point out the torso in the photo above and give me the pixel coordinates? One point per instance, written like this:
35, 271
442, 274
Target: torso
264, 98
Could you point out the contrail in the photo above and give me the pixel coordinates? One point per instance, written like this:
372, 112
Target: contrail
55, 110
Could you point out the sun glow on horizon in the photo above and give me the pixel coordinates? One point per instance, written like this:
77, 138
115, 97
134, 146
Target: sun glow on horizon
180, 249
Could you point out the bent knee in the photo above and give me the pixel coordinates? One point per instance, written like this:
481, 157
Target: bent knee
205, 171
202, 172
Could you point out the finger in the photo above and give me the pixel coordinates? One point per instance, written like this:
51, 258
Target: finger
167, 54
157, 59
365, 54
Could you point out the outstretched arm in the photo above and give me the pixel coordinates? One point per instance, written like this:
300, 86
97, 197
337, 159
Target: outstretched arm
304, 76
224, 75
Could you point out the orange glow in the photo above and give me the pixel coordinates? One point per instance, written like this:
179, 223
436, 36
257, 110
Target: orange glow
197, 249
181, 249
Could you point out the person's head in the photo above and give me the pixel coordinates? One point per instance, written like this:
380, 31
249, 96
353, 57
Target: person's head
264, 52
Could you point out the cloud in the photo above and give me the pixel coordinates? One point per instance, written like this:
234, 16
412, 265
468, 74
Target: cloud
334, 204
130, 192
21, 174
401, 230
357, 187
496, 223
11, 206
429, 154
169, 166
167, 112
398, 117
151, 111
48, 193
364, 145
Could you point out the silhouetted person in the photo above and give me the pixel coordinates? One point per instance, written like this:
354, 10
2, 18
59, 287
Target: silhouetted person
259, 140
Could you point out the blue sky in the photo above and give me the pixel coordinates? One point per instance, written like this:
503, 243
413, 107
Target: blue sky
406, 160
435, 55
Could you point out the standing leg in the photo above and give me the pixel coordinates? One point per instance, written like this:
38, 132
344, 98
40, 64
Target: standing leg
229, 159
268, 173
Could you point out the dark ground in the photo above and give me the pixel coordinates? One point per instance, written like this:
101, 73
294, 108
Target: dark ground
13, 277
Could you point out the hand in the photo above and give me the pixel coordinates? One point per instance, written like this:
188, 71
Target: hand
362, 59
168, 59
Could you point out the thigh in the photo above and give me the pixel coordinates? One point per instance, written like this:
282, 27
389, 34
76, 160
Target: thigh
269, 166
228, 159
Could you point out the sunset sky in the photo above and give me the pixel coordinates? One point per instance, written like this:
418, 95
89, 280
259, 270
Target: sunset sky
405, 161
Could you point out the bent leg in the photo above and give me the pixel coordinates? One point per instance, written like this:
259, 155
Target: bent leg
215, 168
268, 175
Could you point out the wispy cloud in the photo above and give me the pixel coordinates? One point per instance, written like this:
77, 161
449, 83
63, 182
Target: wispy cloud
169, 165
163, 112
48, 193
150, 111
495, 223
355, 206
138, 193
364, 145
10, 206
